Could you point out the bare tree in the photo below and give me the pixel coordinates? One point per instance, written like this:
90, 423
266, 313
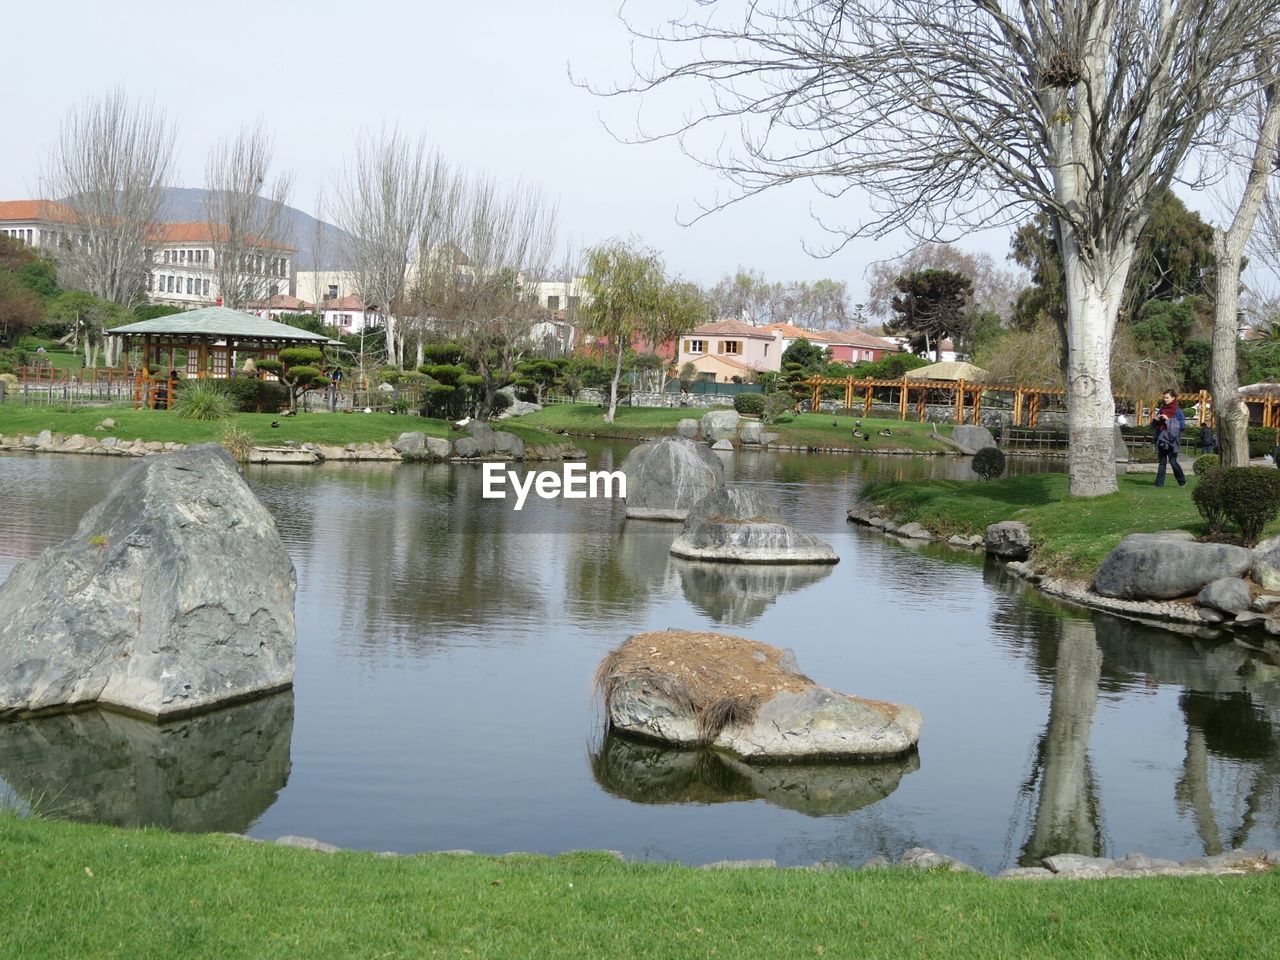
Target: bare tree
951, 115
488, 248
995, 289
1228, 250
248, 220
109, 168
380, 203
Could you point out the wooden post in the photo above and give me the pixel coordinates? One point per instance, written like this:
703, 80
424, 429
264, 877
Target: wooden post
1035, 409
1017, 406
848, 393
866, 404
922, 407
204, 360
817, 393
959, 401
902, 398
977, 406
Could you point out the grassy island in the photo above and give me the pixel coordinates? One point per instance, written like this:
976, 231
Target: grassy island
165, 427
72, 890
823, 430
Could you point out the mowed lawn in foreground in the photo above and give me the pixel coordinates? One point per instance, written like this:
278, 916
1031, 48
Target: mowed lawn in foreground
70, 890
166, 427
1071, 534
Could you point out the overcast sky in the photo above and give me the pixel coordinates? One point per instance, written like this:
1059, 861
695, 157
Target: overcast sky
487, 84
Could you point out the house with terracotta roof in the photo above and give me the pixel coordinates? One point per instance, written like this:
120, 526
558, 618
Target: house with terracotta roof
273, 307
857, 346
348, 314
730, 351
182, 254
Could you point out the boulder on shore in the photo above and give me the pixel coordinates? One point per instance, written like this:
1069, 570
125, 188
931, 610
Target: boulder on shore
1161, 566
746, 698
733, 525
1009, 539
970, 438
687, 428
720, 425
1228, 595
668, 476
174, 595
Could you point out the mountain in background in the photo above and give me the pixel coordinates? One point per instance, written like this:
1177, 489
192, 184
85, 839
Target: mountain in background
319, 244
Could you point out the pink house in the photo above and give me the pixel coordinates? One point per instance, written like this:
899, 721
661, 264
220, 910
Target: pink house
730, 349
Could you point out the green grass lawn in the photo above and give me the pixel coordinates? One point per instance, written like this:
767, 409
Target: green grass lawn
70, 890
805, 430
58, 357
1071, 535
164, 426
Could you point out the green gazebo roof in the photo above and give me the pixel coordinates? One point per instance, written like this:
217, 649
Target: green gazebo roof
218, 323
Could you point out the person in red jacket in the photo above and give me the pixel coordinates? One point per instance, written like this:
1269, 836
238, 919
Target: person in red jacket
1168, 424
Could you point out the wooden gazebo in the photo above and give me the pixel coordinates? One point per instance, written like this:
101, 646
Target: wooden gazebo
214, 340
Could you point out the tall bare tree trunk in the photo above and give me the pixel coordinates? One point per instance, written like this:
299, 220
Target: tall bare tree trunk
613, 385
1228, 250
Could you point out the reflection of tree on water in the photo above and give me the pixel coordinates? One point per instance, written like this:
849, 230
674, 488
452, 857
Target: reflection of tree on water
651, 773
214, 772
737, 594
1228, 727
1067, 818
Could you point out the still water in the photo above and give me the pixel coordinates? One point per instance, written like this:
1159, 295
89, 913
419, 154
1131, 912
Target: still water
443, 700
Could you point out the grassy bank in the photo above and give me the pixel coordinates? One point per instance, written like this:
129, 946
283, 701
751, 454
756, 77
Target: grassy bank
1071, 536
804, 430
69, 890
165, 427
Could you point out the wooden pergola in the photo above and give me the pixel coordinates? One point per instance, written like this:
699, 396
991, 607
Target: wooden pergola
214, 340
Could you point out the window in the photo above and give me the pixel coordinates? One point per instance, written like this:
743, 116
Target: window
553, 303
333, 292
766, 349
206, 288
730, 346
274, 290
166, 256
151, 281
695, 346
169, 284
188, 285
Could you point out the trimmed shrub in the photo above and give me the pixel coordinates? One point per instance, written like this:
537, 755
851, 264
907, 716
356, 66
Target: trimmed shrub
1202, 465
749, 404
989, 463
202, 400
1207, 496
1250, 499
776, 407
243, 392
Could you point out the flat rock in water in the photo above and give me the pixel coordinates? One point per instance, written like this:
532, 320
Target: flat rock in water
667, 477
174, 595
1160, 566
733, 525
722, 445
743, 697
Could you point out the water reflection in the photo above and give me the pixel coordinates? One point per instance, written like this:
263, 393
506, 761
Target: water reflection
737, 594
213, 772
650, 773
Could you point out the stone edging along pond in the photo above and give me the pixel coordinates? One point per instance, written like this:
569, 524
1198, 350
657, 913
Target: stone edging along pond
1063, 866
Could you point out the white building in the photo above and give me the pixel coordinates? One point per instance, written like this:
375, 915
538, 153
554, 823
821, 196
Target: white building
182, 254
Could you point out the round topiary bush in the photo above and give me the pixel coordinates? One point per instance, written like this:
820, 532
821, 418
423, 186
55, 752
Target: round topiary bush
1250, 499
749, 404
989, 463
1202, 465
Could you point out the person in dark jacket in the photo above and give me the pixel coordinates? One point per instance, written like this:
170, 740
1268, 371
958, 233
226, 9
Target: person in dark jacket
1167, 425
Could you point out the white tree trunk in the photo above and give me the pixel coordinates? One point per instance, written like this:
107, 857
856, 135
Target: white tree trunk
1224, 379
613, 385
1091, 407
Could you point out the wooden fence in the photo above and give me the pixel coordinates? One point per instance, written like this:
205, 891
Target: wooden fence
1024, 403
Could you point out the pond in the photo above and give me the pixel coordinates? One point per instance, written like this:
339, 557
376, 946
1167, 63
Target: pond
446, 645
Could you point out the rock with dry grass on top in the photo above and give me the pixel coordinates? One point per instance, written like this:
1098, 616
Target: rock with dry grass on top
743, 697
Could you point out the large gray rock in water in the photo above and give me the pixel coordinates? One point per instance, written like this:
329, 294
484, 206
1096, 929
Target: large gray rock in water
970, 439
508, 445
687, 428
1230, 595
667, 477
1145, 566
746, 698
733, 525
1009, 539
720, 425
484, 437
439, 447
174, 595
752, 432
